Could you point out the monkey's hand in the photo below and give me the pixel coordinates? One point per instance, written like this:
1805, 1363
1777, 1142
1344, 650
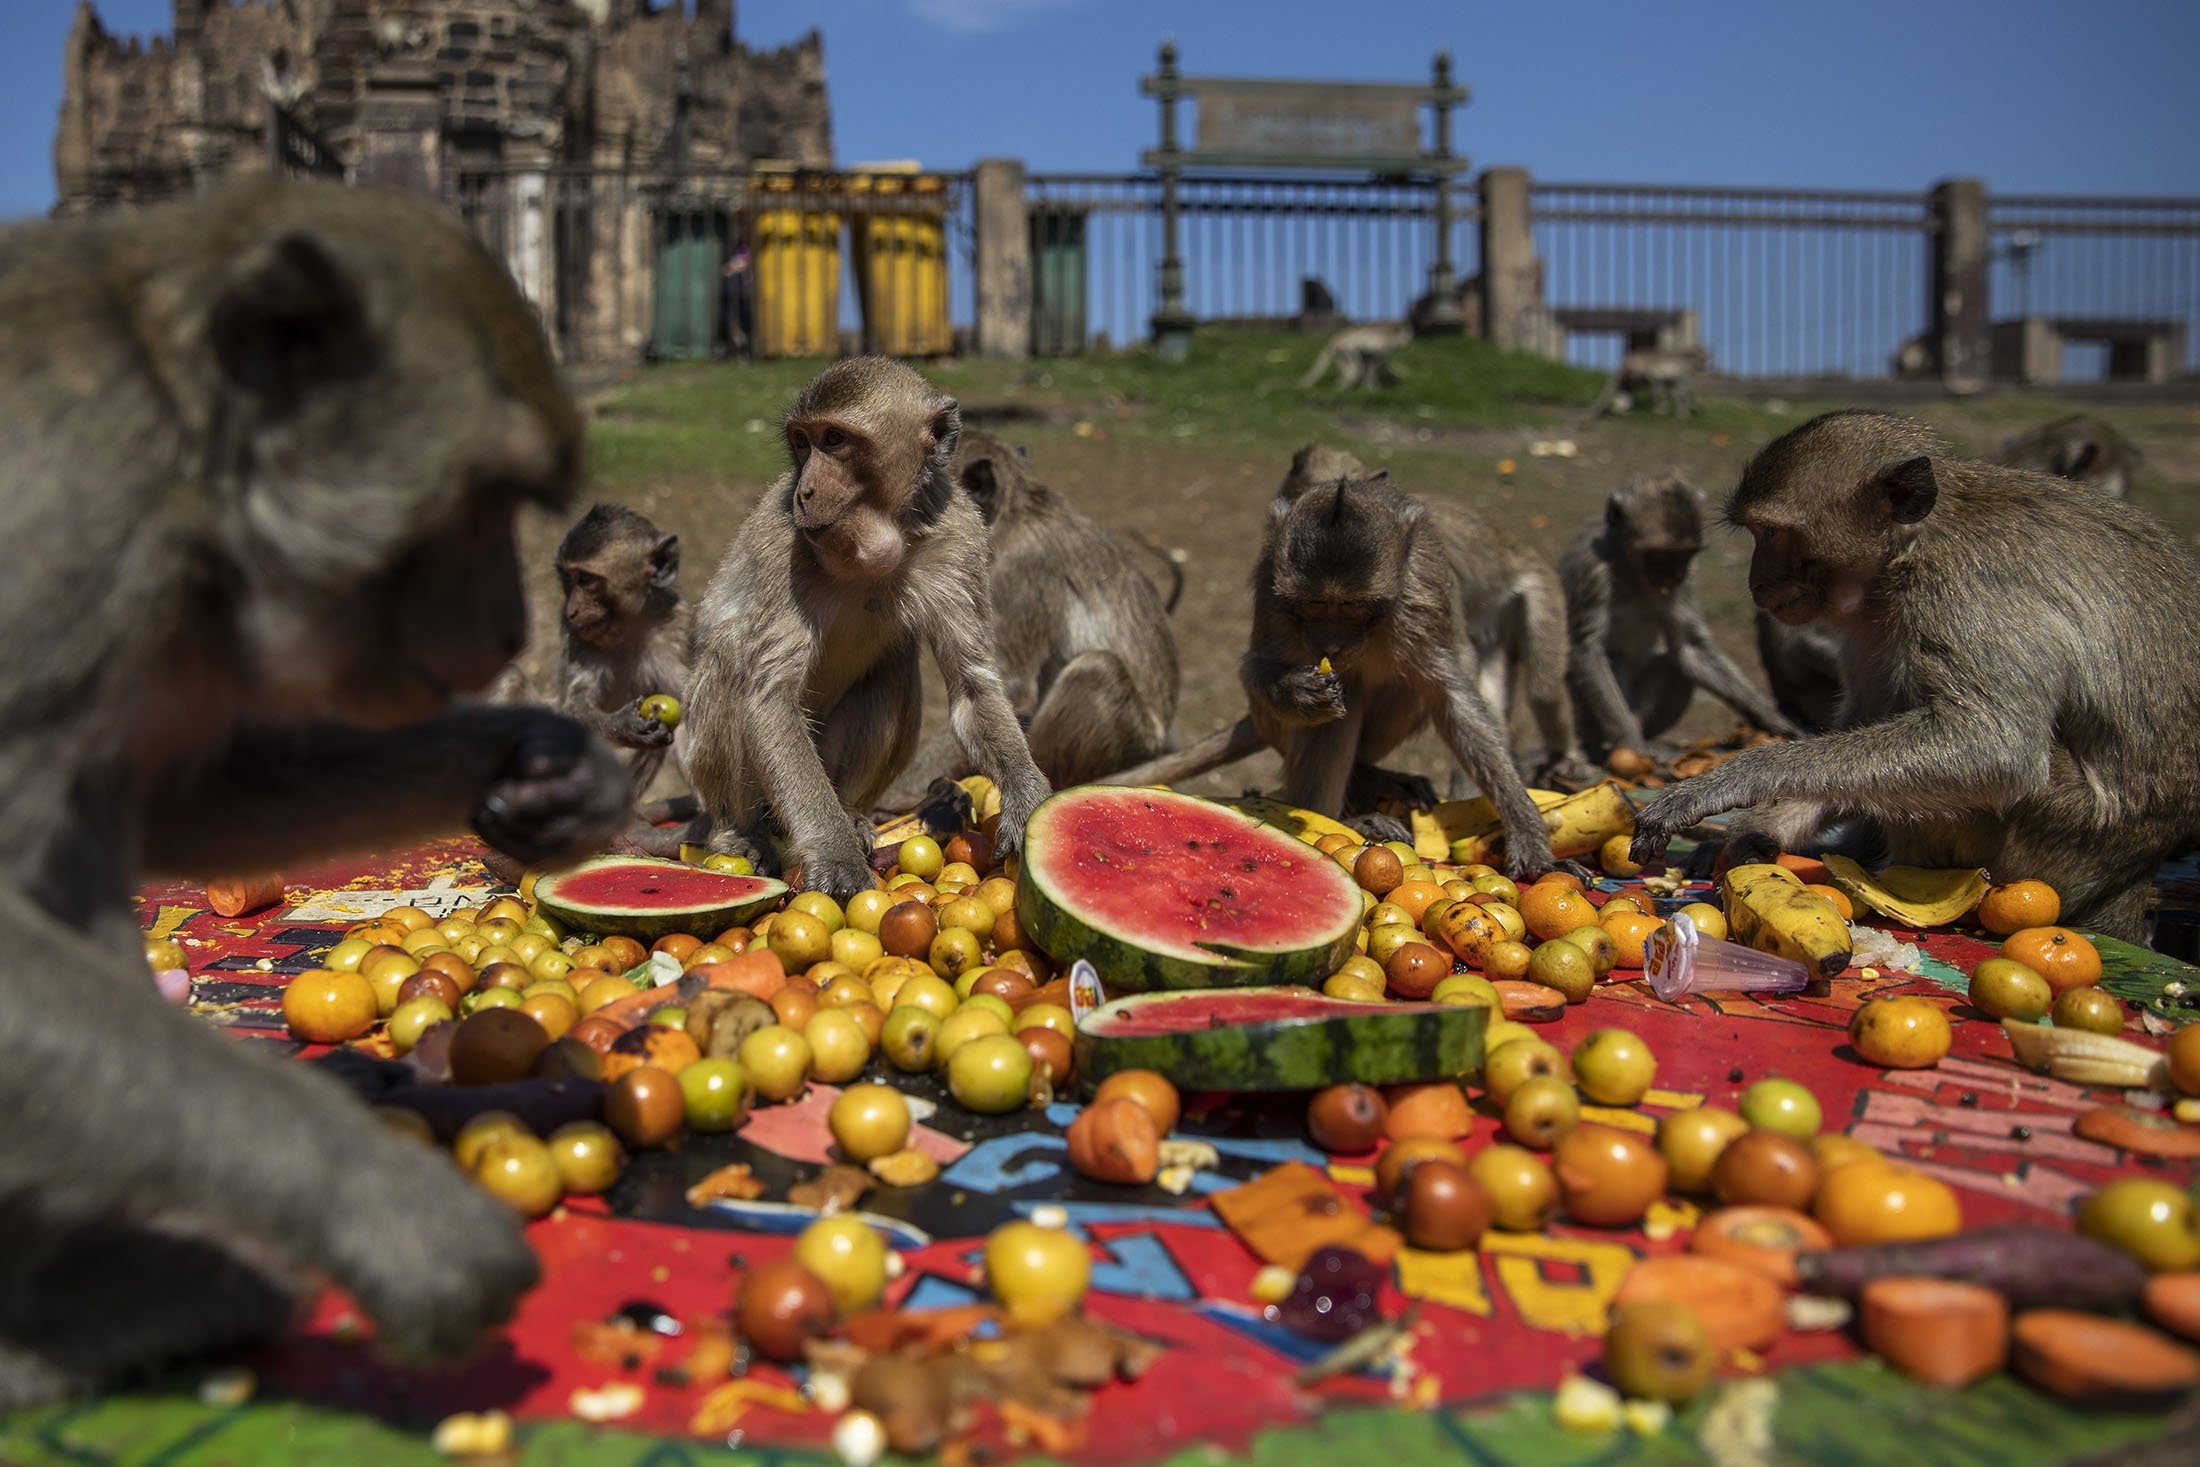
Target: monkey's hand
1309, 695
840, 875
630, 730
434, 1259
559, 792
1681, 806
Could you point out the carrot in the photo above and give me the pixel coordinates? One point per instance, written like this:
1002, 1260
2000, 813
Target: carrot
1765, 1239
233, 896
1738, 1307
2173, 1302
2102, 1362
1931, 1330
1529, 1003
755, 972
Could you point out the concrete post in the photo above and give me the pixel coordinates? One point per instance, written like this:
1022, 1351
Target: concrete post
400, 129
1511, 284
1962, 341
1003, 222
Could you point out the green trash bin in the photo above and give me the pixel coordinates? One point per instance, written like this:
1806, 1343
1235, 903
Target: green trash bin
683, 320
1057, 281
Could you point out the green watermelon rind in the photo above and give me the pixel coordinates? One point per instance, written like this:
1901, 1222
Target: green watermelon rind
1375, 1043
649, 924
1051, 921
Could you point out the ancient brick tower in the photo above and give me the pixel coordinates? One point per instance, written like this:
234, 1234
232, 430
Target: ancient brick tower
520, 83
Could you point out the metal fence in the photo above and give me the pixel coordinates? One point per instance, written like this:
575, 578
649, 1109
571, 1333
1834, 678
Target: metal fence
1246, 245
1774, 282
673, 264
2099, 268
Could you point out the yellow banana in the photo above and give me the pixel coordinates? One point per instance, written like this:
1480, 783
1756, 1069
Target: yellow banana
1578, 824
1308, 825
892, 832
1768, 909
1912, 895
985, 796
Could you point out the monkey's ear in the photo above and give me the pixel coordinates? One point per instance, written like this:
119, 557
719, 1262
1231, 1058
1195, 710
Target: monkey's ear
946, 426
1615, 510
664, 563
1409, 518
1378, 476
979, 483
2077, 461
1911, 490
292, 319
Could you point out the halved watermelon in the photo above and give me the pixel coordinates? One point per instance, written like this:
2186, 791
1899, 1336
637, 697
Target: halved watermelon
1161, 890
1278, 1039
639, 897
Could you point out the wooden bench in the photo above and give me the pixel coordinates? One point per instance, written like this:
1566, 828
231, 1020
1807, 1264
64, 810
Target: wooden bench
2029, 349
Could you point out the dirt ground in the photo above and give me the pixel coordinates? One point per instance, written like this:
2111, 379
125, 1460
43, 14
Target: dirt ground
692, 446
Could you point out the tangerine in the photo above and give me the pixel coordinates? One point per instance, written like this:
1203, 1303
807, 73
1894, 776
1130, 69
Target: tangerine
1631, 931
1839, 898
678, 944
1438, 1108
1883, 1202
1904, 1032
1415, 896
2015, 905
323, 1006
2065, 958
1555, 906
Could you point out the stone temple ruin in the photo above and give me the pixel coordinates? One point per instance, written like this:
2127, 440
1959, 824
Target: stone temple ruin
440, 95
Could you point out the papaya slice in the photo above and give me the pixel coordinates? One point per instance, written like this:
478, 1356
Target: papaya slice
1933, 1330
1738, 1307
2099, 1362
1764, 1239
2173, 1301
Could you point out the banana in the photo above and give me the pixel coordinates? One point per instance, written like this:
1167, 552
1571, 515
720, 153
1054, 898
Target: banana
1912, 895
2085, 1058
893, 832
1578, 824
1308, 825
1768, 909
985, 796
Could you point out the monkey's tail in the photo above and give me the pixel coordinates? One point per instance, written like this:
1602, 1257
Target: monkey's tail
1171, 556
1322, 360
1224, 746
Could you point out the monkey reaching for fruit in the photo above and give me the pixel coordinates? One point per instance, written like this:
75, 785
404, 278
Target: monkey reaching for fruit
1360, 635
2023, 689
2080, 448
1082, 637
803, 695
624, 632
265, 448
1641, 649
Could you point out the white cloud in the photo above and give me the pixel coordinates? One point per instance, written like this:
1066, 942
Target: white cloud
979, 17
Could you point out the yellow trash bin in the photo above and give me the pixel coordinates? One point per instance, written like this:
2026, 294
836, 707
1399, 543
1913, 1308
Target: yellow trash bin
794, 235
901, 261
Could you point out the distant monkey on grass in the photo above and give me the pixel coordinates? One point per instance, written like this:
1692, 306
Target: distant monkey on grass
1361, 355
1667, 373
2080, 448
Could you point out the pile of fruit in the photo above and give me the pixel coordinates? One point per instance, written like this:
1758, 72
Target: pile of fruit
613, 1008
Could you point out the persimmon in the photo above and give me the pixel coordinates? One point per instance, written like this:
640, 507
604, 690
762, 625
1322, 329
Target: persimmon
2015, 905
1554, 906
2065, 958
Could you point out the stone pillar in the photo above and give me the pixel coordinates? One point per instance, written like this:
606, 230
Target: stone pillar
1003, 222
400, 129
1962, 343
1512, 287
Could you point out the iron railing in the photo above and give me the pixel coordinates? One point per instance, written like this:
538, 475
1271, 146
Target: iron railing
2092, 265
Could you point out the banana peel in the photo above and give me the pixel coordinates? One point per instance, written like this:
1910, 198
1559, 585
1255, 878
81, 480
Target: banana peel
1915, 896
1767, 908
1308, 825
1578, 824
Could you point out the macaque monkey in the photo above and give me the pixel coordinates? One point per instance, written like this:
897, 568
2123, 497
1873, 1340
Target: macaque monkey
2023, 688
1361, 634
1082, 637
803, 694
1667, 372
624, 632
1803, 669
264, 453
1641, 649
1361, 355
2080, 448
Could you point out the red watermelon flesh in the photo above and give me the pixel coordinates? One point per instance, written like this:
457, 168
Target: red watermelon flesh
669, 884
1220, 1006
1190, 870
645, 898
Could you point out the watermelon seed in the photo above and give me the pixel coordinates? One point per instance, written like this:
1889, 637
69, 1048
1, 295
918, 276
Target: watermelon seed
651, 890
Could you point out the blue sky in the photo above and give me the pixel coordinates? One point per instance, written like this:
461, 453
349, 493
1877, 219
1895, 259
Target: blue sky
2030, 95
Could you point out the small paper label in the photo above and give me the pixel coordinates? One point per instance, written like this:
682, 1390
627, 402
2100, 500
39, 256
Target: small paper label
1085, 993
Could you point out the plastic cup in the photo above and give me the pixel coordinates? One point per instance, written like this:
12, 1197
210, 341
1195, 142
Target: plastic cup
1679, 960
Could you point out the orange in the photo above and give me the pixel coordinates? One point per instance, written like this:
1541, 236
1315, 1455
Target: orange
2016, 905
1437, 1109
2184, 1059
1884, 1202
325, 1007
1415, 897
1630, 931
1906, 1032
2063, 957
1563, 878
670, 1050
679, 944
1835, 1150
1552, 907
1839, 898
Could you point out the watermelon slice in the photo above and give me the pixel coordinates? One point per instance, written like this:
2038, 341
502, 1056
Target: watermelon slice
1278, 1039
1161, 890
643, 898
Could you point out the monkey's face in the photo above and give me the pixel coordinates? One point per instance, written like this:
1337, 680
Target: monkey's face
594, 610
390, 404
1339, 628
1665, 567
